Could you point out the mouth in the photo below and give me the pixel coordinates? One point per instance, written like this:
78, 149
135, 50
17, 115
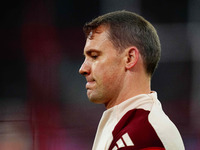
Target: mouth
90, 84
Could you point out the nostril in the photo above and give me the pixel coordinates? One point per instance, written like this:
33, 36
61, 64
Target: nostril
82, 72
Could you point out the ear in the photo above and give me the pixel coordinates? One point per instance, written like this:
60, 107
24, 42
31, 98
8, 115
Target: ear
132, 56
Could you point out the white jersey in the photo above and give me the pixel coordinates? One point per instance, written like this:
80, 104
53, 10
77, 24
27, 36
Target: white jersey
137, 123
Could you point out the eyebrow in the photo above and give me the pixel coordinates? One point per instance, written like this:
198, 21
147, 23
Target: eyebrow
91, 50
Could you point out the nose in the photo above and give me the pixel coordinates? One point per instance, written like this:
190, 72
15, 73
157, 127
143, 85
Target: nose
85, 68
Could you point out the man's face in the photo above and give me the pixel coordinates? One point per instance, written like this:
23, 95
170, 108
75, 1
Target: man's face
103, 67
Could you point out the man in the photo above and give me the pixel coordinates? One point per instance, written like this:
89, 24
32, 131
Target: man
121, 54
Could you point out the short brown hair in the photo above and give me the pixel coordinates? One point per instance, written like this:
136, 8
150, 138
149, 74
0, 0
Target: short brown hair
130, 29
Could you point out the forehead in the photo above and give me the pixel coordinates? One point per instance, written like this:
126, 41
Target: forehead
99, 30
97, 39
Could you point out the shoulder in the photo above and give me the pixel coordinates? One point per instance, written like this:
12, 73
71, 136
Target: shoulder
134, 130
165, 129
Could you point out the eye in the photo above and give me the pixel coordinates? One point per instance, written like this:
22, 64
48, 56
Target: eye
94, 55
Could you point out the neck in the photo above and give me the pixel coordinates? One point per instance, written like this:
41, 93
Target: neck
140, 85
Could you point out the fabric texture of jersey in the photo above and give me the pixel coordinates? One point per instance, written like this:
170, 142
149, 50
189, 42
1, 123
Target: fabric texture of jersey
138, 123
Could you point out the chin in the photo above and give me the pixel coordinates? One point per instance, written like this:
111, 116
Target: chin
96, 97
96, 100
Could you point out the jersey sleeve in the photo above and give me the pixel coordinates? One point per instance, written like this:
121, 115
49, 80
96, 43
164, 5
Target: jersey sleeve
134, 132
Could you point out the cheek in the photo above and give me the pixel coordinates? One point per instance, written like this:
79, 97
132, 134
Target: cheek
102, 74
106, 72
110, 76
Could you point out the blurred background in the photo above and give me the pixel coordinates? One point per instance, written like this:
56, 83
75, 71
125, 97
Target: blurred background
43, 102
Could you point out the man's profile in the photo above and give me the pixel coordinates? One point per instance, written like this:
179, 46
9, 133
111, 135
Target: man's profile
122, 52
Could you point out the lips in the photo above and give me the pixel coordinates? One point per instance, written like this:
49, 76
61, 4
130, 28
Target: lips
90, 83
